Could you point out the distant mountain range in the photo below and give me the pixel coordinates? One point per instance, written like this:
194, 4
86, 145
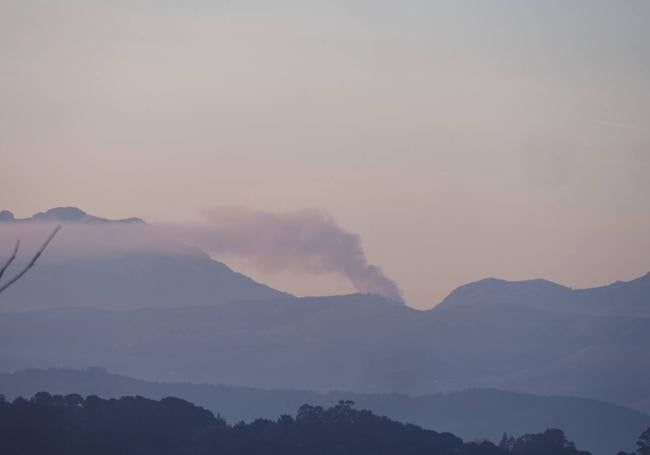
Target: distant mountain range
64, 215
631, 298
186, 317
475, 414
358, 343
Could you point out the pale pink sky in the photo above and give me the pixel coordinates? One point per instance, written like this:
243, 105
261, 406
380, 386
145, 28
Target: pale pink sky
460, 139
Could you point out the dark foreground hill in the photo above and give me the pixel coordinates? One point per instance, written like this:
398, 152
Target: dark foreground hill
601, 428
73, 425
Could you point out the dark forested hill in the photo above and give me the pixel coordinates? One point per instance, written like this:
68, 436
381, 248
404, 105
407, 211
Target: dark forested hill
73, 425
476, 414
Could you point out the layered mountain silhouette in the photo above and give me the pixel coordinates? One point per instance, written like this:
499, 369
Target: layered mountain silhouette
357, 343
182, 316
475, 414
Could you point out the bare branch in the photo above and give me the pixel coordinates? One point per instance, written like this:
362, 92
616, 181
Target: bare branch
31, 263
11, 259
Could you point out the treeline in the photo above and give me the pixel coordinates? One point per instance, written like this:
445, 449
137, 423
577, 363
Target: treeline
71, 425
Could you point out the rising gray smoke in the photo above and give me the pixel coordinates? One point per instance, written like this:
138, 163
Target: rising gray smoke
304, 241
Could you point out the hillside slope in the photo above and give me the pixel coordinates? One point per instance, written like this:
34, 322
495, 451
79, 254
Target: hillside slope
119, 264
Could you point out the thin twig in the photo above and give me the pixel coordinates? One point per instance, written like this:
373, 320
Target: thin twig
32, 262
11, 259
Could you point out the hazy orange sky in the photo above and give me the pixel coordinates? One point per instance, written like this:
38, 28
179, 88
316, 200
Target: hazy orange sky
459, 139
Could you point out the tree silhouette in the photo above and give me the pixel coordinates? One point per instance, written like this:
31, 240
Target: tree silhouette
643, 444
552, 441
72, 425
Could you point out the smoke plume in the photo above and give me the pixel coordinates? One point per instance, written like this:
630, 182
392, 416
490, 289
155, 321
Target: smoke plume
300, 241
304, 241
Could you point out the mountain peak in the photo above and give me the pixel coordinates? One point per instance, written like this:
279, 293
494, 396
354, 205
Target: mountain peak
535, 292
61, 214
65, 215
620, 297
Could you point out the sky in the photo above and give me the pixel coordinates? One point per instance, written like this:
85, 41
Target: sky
459, 139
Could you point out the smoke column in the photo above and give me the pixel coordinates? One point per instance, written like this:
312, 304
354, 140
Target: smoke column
303, 241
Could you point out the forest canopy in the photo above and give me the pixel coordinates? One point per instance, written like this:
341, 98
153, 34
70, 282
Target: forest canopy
71, 424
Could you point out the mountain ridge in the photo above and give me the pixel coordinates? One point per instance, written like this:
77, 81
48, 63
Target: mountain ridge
65, 215
539, 292
545, 294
